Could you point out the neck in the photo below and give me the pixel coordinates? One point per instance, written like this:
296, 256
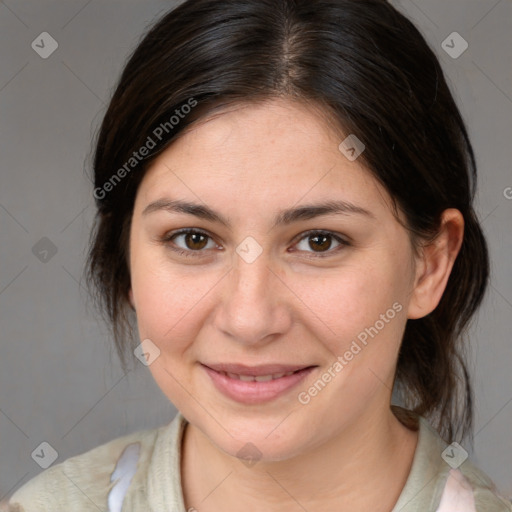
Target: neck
364, 467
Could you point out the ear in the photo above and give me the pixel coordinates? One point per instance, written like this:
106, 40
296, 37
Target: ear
435, 265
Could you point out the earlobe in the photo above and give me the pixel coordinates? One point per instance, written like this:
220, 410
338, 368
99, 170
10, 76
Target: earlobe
436, 265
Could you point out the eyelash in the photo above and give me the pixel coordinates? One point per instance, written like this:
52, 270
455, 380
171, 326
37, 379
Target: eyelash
167, 239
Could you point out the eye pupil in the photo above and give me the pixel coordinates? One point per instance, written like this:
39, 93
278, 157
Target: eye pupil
324, 238
193, 237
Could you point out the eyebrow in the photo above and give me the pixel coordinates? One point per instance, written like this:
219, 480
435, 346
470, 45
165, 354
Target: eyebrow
285, 217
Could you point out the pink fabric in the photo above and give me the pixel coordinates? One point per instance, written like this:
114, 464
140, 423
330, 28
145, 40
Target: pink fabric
457, 494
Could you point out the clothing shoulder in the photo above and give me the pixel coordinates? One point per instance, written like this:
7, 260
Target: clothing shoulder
442, 477
92, 480
460, 484
486, 495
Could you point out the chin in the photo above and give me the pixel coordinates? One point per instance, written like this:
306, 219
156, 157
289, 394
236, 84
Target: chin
265, 440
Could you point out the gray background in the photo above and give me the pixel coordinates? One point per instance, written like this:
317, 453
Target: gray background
60, 380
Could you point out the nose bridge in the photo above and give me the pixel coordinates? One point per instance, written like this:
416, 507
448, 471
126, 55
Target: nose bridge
250, 273
253, 306
250, 278
250, 286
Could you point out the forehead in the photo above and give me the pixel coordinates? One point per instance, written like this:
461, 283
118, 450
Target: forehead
277, 150
274, 124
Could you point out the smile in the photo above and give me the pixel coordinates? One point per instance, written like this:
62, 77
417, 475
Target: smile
256, 385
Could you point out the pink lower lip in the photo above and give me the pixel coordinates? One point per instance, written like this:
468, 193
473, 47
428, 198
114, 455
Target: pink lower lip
255, 392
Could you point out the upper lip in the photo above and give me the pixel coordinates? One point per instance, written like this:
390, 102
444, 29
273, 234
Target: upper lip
255, 371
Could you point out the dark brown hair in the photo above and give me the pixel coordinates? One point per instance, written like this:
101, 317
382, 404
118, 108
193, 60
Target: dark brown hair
367, 67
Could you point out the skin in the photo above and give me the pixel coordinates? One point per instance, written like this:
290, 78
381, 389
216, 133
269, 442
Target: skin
288, 306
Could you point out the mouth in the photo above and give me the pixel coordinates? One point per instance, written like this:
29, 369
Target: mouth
259, 378
257, 384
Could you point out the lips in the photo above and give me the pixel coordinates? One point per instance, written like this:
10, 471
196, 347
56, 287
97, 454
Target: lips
256, 384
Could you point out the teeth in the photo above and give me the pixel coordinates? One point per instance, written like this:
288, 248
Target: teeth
259, 378
264, 378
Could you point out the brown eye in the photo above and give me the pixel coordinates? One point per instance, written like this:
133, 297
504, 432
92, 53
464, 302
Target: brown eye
318, 242
195, 241
322, 242
192, 241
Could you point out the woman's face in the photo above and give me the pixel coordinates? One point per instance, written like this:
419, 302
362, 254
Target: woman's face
261, 290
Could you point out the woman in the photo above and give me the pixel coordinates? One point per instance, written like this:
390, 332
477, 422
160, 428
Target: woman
284, 193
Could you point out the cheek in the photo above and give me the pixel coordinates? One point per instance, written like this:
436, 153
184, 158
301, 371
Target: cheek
350, 299
169, 303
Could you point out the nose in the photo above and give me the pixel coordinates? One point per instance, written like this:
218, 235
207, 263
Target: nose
255, 306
